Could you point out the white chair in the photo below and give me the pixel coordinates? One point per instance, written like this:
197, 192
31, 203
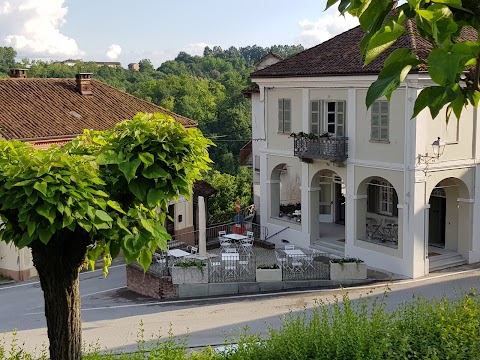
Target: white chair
221, 234
192, 249
289, 247
214, 266
250, 235
230, 261
225, 243
247, 246
281, 260
295, 264
308, 259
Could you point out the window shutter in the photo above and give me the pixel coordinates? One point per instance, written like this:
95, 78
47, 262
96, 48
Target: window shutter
280, 115
375, 129
315, 117
395, 203
287, 121
372, 198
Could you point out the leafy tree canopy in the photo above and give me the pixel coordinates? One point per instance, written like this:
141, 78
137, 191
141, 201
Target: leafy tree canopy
453, 64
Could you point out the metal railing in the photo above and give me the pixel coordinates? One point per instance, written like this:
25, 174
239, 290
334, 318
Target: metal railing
306, 267
259, 232
334, 149
241, 269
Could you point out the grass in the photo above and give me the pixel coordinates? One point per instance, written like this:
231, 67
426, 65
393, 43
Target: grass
343, 330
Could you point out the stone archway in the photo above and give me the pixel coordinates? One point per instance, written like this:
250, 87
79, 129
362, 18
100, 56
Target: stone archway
327, 204
275, 189
377, 213
450, 216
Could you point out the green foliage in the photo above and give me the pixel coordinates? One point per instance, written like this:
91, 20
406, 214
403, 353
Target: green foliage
111, 186
453, 64
342, 330
7, 59
229, 188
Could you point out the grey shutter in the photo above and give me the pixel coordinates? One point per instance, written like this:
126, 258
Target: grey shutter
395, 203
287, 116
315, 117
384, 120
372, 196
375, 122
280, 115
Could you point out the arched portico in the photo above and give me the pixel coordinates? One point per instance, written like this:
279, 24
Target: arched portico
450, 217
377, 212
327, 205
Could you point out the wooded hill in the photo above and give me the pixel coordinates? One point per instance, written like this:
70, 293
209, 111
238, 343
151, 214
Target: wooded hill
206, 88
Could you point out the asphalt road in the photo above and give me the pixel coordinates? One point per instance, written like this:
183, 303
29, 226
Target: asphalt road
112, 315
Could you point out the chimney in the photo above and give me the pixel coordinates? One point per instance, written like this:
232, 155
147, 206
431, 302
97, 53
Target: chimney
84, 84
18, 73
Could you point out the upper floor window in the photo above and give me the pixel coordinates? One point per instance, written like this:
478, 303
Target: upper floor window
380, 120
327, 116
285, 115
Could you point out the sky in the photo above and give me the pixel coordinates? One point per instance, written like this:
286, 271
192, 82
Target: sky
128, 31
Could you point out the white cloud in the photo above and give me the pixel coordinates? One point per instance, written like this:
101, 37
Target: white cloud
5, 8
196, 49
32, 28
326, 27
114, 51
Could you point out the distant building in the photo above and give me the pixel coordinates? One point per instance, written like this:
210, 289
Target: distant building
133, 67
44, 112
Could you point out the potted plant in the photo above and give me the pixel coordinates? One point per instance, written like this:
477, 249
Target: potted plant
267, 273
347, 269
189, 271
325, 135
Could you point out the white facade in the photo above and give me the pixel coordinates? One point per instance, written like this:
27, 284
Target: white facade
381, 181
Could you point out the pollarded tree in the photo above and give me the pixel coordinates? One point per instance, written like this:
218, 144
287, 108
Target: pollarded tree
105, 191
453, 64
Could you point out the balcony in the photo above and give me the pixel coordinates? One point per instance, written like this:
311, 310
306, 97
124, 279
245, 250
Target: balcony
323, 148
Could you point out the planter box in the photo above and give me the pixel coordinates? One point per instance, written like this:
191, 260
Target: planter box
267, 275
348, 271
190, 275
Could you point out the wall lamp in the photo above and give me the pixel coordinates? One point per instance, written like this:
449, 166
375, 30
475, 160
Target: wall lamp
438, 148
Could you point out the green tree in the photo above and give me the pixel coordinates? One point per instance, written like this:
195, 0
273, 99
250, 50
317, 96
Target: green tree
145, 65
229, 189
453, 64
7, 59
105, 191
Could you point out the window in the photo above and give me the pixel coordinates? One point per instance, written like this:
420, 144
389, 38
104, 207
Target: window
382, 198
284, 115
380, 120
327, 116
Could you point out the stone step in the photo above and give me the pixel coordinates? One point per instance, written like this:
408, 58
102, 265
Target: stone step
446, 261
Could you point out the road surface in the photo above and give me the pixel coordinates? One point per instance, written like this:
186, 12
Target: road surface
112, 315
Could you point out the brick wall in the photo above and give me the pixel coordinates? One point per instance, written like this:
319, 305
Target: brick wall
150, 284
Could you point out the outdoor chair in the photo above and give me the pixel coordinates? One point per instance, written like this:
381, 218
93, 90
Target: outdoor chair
247, 246
225, 243
250, 235
214, 267
229, 262
281, 260
308, 259
221, 234
289, 247
294, 264
192, 249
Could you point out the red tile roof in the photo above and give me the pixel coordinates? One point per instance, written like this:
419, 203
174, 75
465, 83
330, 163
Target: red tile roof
341, 55
35, 108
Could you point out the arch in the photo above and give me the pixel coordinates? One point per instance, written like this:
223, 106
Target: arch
377, 213
327, 202
450, 216
275, 189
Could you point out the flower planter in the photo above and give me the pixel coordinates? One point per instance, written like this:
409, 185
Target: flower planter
267, 275
348, 271
189, 275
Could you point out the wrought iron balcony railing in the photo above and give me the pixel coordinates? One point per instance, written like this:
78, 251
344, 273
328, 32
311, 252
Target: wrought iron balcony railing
333, 149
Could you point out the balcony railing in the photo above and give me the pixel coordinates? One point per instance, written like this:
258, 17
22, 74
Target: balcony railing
333, 149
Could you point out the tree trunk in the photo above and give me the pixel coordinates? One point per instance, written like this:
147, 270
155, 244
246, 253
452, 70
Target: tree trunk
58, 265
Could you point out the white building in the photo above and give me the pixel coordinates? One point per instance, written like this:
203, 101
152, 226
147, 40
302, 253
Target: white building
401, 206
